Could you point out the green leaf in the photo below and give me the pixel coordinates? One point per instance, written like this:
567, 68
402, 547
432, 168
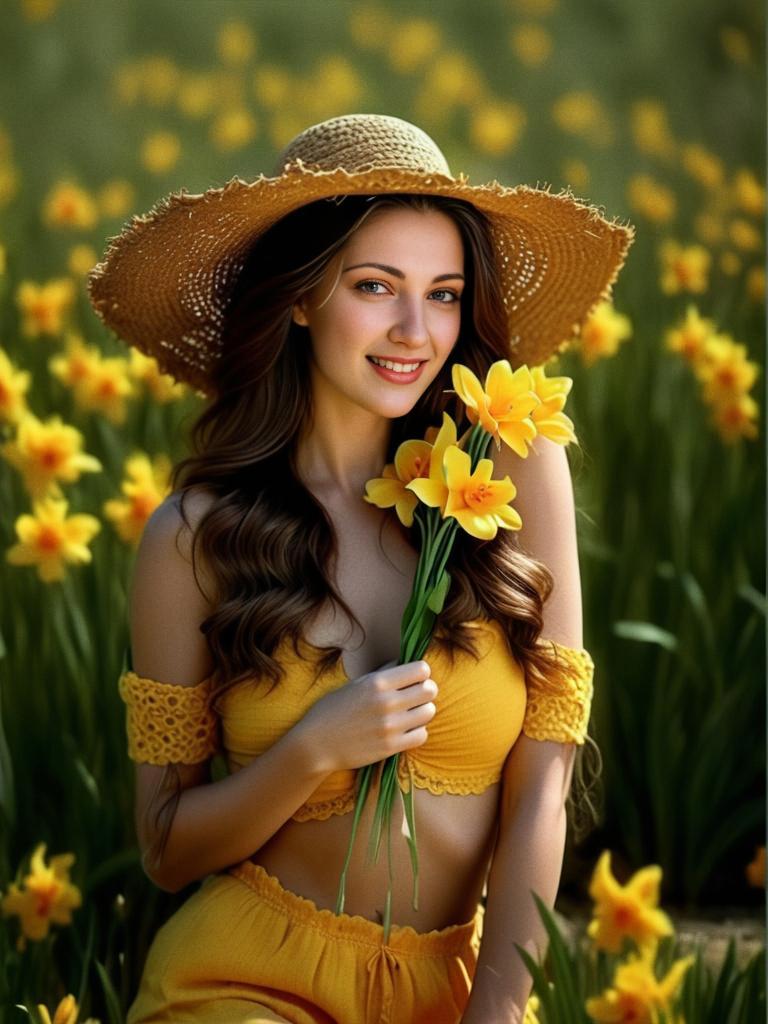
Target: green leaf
438, 593
110, 996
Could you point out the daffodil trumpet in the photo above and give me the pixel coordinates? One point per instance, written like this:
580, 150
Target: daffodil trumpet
455, 486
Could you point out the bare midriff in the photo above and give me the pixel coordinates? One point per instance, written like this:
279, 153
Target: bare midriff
455, 836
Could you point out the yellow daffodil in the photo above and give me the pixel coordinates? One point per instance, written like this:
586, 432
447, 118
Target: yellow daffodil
46, 895
709, 228
412, 43
478, 503
50, 540
38, 10
691, 336
724, 369
651, 199
105, 388
81, 259
749, 192
145, 485
271, 86
43, 307
47, 451
235, 42
548, 417
14, 385
736, 44
745, 236
160, 151
576, 174
413, 460
161, 386
755, 870
684, 268
736, 417
755, 284
730, 263
603, 332
68, 205
531, 44
649, 124
581, 113
503, 406
530, 1016
626, 910
115, 197
370, 25
76, 363
702, 165
232, 129
636, 995
159, 79
496, 127
65, 1013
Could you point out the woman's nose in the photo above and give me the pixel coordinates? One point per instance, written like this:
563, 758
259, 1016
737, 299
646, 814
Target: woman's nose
410, 326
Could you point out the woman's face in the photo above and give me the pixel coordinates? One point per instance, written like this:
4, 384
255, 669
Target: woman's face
392, 292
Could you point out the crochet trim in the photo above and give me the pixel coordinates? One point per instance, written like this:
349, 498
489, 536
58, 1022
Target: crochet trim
563, 717
168, 722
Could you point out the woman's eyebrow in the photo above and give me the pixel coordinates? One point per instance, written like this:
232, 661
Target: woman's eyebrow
398, 273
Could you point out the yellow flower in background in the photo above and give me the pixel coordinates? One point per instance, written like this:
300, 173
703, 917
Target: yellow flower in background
334, 83
729, 263
196, 94
502, 406
14, 385
82, 258
160, 151
451, 80
145, 485
370, 26
76, 363
576, 174
745, 236
46, 895
3, 261
68, 205
50, 540
235, 43
105, 388
45, 452
581, 113
44, 307
161, 386
736, 417
684, 268
530, 1016
271, 86
38, 10
651, 199
531, 44
478, 503
736, 44
548, 417
159, 78
496, 127
636, 995
748, 192
232, 129
649, 124
412, 43
127, 83
602, 333
709, 228
755, 870
689, 338
66, 1012
755, 284
115, 197
283, 126
703, 166
724, 368
626, 911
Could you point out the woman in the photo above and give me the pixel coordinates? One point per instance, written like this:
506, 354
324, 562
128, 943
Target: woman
267, 595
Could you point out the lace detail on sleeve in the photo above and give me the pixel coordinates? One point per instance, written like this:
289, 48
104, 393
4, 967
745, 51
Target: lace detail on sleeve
167, 722
326, 808
562, 716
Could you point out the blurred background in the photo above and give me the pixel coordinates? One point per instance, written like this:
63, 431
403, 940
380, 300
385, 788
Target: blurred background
653, 111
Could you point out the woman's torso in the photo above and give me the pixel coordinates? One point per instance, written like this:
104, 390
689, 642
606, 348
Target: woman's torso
455, 833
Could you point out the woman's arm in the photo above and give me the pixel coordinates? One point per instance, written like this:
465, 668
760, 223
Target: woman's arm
537, 774
214, 824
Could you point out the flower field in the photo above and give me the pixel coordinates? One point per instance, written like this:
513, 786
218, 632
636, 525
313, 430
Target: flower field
654, 112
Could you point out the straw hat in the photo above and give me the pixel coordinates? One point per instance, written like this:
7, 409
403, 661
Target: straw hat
164, 282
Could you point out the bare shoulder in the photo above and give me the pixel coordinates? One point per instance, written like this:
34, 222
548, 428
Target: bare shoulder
170, 598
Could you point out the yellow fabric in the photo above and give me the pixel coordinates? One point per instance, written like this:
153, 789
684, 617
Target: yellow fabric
243, 949
482, 708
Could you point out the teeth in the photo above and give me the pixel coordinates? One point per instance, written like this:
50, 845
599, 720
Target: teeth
397, 367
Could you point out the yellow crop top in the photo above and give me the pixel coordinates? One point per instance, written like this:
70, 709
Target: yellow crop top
482, 707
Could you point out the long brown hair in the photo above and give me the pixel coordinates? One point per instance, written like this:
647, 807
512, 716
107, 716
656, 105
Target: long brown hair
266, 541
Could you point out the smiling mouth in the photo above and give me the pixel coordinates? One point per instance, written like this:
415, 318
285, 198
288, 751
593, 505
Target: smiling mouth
396, 365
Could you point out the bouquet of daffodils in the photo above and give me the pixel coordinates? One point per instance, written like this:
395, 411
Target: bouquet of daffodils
444, 484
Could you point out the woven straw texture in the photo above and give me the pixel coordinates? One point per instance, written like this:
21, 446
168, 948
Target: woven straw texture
164, 282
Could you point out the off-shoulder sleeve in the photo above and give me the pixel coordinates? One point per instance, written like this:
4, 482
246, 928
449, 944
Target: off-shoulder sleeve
564, 715
167, 722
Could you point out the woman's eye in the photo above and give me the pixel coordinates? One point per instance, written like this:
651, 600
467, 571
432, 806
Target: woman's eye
452, 296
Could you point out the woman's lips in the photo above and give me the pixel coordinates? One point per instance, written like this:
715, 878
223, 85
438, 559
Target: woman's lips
394, 376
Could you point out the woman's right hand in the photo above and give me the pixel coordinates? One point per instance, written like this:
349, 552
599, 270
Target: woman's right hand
372, 717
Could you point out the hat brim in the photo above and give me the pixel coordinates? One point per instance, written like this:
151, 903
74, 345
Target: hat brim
165, 280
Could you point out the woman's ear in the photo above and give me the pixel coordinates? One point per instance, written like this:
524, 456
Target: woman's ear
298, 315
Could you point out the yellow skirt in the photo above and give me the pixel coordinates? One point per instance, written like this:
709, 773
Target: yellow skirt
243, 950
